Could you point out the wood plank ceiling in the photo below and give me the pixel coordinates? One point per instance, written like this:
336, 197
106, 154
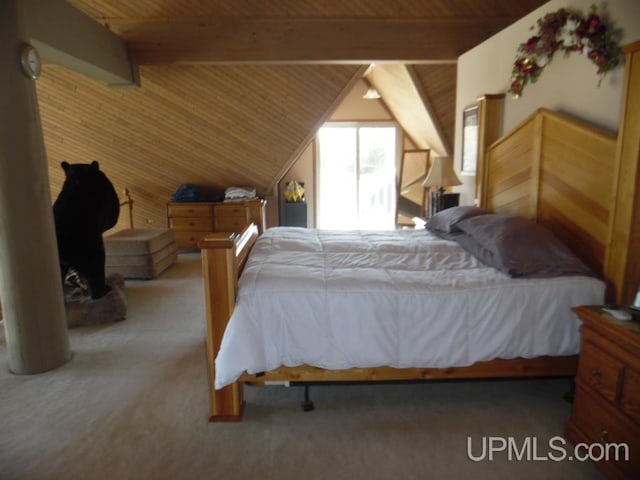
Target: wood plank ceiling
231, 90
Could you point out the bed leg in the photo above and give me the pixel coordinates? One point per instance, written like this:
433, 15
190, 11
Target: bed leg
568, 396
227, 404
307, 404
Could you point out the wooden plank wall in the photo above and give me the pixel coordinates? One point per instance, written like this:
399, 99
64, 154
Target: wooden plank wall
214, 125
209, 125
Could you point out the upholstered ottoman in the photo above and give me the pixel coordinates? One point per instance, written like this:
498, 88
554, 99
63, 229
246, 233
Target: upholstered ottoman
140, 252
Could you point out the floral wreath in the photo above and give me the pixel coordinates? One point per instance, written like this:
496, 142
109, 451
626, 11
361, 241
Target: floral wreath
569, 32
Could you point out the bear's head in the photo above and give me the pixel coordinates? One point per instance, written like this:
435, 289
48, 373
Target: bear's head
87, 196
84, 176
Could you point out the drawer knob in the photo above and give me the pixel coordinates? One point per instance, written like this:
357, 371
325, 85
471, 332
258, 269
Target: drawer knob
596, 372
603, 436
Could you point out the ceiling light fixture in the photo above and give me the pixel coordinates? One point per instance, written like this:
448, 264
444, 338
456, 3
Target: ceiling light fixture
372, 93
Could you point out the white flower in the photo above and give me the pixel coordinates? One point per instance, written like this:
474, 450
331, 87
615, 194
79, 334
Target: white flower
567, 34
542, 61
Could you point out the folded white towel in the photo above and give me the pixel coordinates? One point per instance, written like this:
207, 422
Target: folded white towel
240, 192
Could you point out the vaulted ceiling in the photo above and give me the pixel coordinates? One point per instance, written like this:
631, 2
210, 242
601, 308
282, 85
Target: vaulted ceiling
232, 90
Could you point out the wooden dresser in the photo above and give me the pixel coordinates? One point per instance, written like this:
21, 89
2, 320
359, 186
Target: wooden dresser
191, 221
606, 407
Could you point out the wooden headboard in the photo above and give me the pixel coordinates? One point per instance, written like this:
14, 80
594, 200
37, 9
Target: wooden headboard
558, 171
580, 182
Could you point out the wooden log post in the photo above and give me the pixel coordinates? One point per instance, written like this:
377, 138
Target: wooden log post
223, 257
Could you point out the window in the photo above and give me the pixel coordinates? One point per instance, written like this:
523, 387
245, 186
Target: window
357, 176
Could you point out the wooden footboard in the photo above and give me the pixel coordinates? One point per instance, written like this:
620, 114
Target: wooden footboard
223, 257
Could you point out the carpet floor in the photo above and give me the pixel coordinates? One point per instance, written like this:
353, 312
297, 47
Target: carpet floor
132, 404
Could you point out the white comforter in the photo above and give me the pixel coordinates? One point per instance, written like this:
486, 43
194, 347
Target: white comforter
398, 298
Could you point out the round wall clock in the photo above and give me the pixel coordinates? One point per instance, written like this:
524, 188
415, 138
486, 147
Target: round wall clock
30, 60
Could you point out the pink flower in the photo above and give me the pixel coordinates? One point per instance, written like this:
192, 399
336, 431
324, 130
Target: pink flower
594, 23
531, 44
516, 87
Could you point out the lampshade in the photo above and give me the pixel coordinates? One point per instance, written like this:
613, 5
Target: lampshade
441, 174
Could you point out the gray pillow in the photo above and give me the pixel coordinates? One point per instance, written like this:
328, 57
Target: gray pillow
447, 220
518, 247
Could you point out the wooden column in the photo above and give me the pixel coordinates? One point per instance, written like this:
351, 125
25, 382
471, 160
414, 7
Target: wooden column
622, 267
489, 130
30, 281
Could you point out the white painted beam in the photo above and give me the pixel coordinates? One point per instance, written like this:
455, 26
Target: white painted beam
67, 37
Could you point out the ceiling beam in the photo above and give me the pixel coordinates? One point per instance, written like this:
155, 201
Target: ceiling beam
301, 40
396, 85
67, 37
436, 124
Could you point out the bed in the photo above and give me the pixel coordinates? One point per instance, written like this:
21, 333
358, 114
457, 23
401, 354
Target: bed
339, 300
552, 169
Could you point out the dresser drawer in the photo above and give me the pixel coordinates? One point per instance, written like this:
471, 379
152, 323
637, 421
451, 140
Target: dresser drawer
193, 220
186, 210
602, 424
191, 223
630, 402
189, 240
600, 371
230, 224
230, 210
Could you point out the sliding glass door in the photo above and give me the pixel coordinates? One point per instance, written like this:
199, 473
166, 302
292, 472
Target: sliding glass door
357, 176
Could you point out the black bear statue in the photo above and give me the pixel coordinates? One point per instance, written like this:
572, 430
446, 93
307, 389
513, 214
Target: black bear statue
86, 207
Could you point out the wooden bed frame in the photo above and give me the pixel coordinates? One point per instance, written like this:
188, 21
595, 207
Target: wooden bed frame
565, 174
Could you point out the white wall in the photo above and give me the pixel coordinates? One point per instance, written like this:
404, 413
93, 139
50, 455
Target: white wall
569, 84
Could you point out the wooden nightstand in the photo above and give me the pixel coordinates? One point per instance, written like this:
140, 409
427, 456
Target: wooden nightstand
606, 408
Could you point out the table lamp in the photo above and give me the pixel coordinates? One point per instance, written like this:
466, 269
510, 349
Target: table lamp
440, 175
